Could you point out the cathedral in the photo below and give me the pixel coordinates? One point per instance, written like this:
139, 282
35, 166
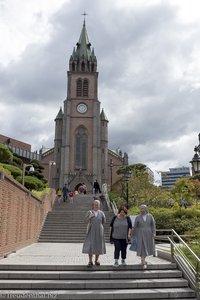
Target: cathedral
80, 153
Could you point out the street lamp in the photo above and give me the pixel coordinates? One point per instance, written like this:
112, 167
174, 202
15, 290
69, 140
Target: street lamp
195, 162
111, 179
24, 169
51, 163
127, 176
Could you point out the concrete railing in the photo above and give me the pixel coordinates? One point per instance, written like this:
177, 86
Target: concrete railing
21, 215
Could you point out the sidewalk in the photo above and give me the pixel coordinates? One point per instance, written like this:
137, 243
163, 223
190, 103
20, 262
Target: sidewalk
67, 254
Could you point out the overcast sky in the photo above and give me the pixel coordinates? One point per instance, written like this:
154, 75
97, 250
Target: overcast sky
148, 55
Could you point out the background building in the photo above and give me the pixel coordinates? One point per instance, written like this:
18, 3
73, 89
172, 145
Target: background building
23, 150
169, 177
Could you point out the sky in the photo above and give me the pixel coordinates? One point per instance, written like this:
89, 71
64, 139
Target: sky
148, 54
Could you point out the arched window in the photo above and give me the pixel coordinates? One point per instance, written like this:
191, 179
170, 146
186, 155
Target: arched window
81, 147
73, 66
85, 88
79, 88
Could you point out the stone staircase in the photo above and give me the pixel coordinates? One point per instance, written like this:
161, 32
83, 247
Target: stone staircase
162, 281
65, 223
52, 272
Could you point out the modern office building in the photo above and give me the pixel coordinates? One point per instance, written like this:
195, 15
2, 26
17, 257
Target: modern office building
169, 177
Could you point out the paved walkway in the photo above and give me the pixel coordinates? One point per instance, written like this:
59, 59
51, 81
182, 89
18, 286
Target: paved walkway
66, 254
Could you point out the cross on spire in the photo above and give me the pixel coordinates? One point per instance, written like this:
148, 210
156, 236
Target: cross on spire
84, 14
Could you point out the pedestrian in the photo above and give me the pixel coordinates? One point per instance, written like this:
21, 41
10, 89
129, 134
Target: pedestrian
120, 234
96, 187
94, 243
65, 191
84, 188
71, 197
58, 195
144, 230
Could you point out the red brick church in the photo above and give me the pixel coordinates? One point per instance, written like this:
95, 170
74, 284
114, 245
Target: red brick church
80, 153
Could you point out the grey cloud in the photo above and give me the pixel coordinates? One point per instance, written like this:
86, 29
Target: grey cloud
136, 51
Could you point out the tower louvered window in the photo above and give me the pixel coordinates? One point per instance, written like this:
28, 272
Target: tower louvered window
79, 88
85, 88
82, 88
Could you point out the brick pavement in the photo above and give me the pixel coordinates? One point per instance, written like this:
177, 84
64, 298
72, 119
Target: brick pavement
66, 254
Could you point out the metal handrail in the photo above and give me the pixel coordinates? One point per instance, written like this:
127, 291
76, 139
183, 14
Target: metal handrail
190, 270
111, 205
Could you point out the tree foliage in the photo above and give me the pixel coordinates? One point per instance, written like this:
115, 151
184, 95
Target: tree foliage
5, 154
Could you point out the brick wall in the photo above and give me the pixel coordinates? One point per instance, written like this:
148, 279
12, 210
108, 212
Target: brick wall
21, 215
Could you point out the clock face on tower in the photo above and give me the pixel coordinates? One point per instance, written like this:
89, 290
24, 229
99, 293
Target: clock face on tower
82, 108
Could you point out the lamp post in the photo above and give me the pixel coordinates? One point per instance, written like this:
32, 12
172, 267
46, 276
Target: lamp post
51, 163
111, 179
127, 176
195, 162
24, 169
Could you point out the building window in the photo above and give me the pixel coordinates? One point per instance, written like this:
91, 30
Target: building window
79, 88
73, 66
81, 146
85, 88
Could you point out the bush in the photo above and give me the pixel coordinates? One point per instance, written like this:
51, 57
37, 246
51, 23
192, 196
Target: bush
181, 220
15, 171
18, 161
6, 171
32, 183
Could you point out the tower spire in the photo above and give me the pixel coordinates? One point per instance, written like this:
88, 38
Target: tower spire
83, 57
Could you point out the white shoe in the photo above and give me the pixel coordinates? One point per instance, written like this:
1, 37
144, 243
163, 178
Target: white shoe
123, 263
116, 264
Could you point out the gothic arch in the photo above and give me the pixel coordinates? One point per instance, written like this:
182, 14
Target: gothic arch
81, 148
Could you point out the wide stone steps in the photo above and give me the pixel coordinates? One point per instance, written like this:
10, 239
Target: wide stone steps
66, 222
97, 294
105, 282
94, 275
93, 284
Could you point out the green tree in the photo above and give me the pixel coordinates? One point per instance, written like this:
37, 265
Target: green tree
5, 154
194, 188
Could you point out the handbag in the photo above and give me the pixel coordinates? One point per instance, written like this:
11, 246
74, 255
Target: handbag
133, 246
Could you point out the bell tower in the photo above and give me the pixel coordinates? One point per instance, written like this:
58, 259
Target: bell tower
81, 142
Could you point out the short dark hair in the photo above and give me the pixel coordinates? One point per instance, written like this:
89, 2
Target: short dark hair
124, 209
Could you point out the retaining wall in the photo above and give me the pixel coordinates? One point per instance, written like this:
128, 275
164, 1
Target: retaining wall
21, 215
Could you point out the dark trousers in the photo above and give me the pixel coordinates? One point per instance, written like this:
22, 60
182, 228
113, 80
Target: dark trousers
120, 245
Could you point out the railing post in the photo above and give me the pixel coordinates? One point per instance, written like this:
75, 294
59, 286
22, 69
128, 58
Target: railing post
198, 279
172, 248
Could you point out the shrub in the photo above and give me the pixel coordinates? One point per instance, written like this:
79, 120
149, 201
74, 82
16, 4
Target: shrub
6, 171
181, 220
32, 183
18, 161
15, 171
